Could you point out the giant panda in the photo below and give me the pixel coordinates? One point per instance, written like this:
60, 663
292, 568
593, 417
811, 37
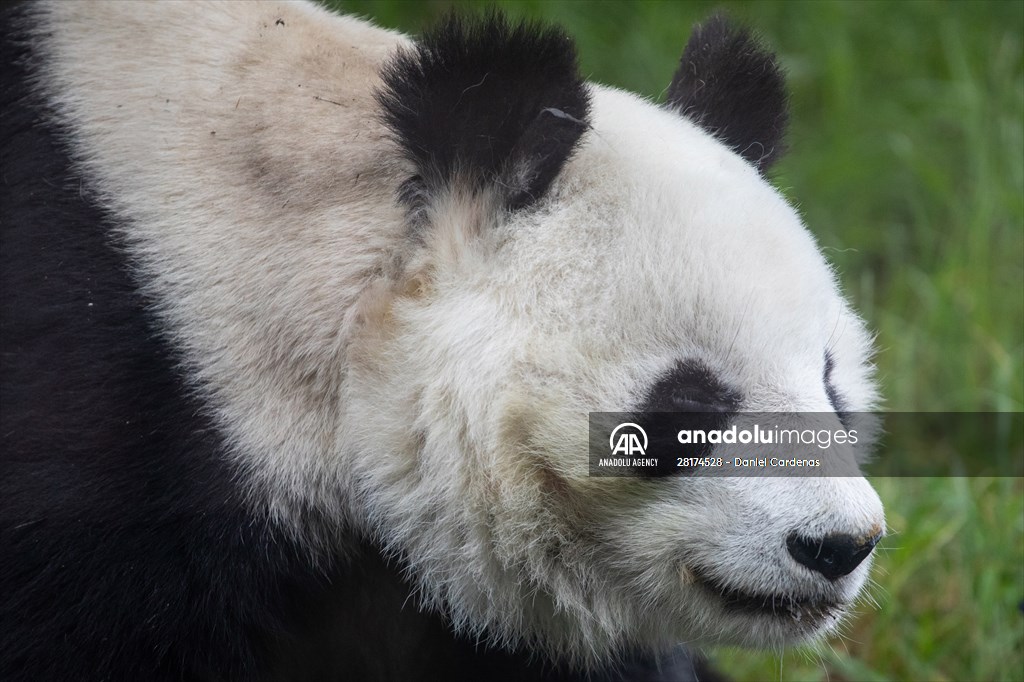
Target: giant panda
302, 320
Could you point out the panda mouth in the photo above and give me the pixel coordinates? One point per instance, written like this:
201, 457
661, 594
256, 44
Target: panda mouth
806, 610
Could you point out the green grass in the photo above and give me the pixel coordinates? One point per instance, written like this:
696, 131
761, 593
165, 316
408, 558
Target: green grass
907, 162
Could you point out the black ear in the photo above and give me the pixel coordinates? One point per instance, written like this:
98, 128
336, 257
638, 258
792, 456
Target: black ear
731, 86
487, 103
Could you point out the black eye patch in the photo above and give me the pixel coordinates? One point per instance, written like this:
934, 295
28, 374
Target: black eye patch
696, 399
838, 404
690, 386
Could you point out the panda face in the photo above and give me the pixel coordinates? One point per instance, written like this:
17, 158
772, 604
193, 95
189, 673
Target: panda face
657, 252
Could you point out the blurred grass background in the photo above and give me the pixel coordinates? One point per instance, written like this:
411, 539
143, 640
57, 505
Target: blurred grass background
907, 162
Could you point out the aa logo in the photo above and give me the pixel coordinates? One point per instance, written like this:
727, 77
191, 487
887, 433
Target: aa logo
628, 439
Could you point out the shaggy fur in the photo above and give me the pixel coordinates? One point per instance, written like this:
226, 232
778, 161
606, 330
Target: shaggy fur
126, 549
732, 87
261, 423
487, 104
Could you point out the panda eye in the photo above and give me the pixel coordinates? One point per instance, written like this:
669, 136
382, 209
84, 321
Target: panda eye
698, 399
838, 404
691, 386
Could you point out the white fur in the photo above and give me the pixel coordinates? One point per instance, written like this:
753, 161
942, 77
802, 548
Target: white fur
436, 394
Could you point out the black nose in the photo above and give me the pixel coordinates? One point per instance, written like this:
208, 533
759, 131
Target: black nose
833, 556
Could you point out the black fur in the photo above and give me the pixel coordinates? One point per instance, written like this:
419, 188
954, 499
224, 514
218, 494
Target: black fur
688, 396
690, 386
487, 102
126, 551
837, 401
734, 88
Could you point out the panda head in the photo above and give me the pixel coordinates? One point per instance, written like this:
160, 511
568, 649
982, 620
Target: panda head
573, 248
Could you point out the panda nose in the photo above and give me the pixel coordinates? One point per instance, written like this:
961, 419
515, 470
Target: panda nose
833, 556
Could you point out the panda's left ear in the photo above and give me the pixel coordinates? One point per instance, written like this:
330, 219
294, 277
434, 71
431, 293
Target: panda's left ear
731, 86
486, 104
